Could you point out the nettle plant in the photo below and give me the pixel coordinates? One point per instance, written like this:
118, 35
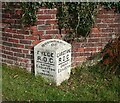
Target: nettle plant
76, 18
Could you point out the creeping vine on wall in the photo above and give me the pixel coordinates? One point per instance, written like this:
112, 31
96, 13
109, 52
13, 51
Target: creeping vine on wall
75, 18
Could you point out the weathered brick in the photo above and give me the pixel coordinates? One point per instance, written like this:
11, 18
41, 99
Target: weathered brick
50, 11
46, 36
9, 61
18, 45
18, 36
3, 56
38, 32
4, 38
19, 55
36, 42
93, 40
13, 40
29, 56
6, 34
46, 17
52, 32
7, 52
7, 43
16, 50
25, 51
25, 41
80, 49
95, 30
31, 37
90, 49
52, 21
12, 58
28, 47
41, 22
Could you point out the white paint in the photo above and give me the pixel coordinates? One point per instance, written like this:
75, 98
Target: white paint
52, 59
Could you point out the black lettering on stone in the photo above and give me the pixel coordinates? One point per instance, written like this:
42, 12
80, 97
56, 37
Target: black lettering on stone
59, 59
63, 58
51, 54
38, 58
67, 57
44, 59
51, 60
48, 54
38, 52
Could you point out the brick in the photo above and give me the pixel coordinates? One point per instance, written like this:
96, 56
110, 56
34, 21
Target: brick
94, 40
51, 21
33, 28
18, 45
16, 50
31, 37
29, 56
76, 54
44, 27
25, 51
13, 40
40, 12
6, 34
36, 42
18, 36
7, 43
9, 62
52, 32
79, 59
3, 56
4, 38
80, 49
38, 32
40, 22
5, 15
7, 52
102, 25
7, 48
105, 39
87, 54
106, 16
25, 41
46, 37
12, 58
99, 49
21, 31
114, 25
50, 11
28, 47
95, 30
90, 49
107, 30
19, 55
107, 20
46, 17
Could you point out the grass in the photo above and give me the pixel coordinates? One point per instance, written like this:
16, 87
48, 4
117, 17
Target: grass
85, 84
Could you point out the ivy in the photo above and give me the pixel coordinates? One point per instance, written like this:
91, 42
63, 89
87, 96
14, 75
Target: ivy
75, 18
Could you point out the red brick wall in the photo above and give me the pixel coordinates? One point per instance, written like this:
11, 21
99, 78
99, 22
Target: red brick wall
18, 42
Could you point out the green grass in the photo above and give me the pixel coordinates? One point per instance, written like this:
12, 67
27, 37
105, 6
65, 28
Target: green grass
85, 84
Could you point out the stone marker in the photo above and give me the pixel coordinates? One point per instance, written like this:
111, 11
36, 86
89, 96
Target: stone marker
52, 60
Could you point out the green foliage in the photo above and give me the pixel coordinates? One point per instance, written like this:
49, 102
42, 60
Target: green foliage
85, 84
111, 5
75, 18
111, 57
29, 12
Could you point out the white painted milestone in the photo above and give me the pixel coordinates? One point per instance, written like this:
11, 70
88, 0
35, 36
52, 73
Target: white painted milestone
52, 59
